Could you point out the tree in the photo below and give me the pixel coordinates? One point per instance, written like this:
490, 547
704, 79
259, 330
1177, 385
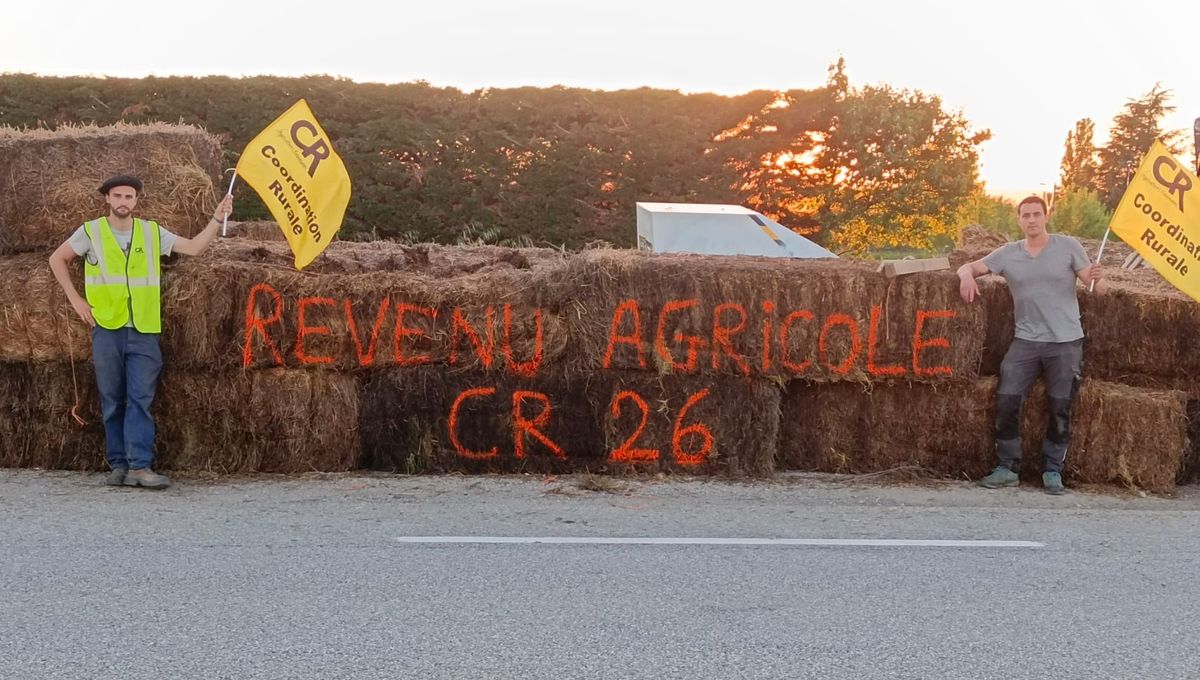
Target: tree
899, 168
995, 213
858, 168
1079, 167
1133, 132
1079, 212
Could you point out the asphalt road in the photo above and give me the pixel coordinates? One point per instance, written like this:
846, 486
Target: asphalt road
325, 577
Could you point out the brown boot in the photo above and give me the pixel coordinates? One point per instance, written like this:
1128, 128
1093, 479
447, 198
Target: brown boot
147, 479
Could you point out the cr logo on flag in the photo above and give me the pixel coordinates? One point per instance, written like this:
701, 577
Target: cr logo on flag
318, 150
1179, 185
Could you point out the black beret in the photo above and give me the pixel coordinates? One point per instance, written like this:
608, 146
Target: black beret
121, 181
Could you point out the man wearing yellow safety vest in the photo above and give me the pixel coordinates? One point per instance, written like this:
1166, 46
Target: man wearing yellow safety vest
122, 269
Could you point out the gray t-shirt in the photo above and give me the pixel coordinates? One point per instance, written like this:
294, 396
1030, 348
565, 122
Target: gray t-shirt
1046, 308
82, 245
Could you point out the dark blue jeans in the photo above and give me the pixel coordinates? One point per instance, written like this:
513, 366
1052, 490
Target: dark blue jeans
127, 366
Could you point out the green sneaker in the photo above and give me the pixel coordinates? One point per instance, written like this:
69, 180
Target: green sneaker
1052, 483
999, 478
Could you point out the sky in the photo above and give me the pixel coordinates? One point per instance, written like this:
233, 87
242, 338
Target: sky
1024, 70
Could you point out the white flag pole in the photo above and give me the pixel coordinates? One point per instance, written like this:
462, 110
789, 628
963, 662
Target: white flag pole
1099, 255
225, 221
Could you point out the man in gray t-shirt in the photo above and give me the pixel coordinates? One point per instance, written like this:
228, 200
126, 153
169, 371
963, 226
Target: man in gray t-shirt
1041, 272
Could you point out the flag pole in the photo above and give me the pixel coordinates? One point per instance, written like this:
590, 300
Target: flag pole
1100, 254
225, 220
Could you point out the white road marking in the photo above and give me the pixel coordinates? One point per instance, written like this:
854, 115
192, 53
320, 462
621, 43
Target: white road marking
828, 542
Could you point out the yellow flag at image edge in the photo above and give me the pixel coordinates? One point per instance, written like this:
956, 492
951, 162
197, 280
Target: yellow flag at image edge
1159, 216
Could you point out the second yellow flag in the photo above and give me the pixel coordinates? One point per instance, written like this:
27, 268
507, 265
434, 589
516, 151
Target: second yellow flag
1159, 215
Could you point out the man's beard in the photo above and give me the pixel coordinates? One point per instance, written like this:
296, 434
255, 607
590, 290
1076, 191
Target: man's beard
121, 212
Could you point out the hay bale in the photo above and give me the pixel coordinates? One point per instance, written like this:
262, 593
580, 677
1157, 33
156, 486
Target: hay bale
259, 421
943, 430
48, 179
37, 323
407, 417
974, 242
996, 299
1189, 386
37, 429
765, 317
425, 419
1137, 329
1121, 435
1191, 462
257, 230
205, 303
262, 421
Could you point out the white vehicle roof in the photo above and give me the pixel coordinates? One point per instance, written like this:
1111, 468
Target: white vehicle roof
716, 229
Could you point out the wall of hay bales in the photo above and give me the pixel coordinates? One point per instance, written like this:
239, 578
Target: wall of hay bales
264, 421
1121, 435
433, 358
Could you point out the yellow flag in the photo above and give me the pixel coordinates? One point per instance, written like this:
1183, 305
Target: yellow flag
1159, 216
293, 167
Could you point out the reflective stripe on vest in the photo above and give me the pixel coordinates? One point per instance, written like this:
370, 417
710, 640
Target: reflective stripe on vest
117, 285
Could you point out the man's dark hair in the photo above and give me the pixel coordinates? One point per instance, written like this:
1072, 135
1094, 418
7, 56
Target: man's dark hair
1033, 199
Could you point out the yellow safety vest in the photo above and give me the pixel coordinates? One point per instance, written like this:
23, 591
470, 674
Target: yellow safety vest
117, 286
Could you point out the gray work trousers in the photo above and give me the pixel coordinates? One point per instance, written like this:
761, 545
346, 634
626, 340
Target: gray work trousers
1059, 363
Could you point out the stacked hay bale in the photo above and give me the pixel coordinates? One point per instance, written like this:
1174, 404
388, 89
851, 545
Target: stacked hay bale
823, 320
1141, 333
467, 359
431, 358
1121, 435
